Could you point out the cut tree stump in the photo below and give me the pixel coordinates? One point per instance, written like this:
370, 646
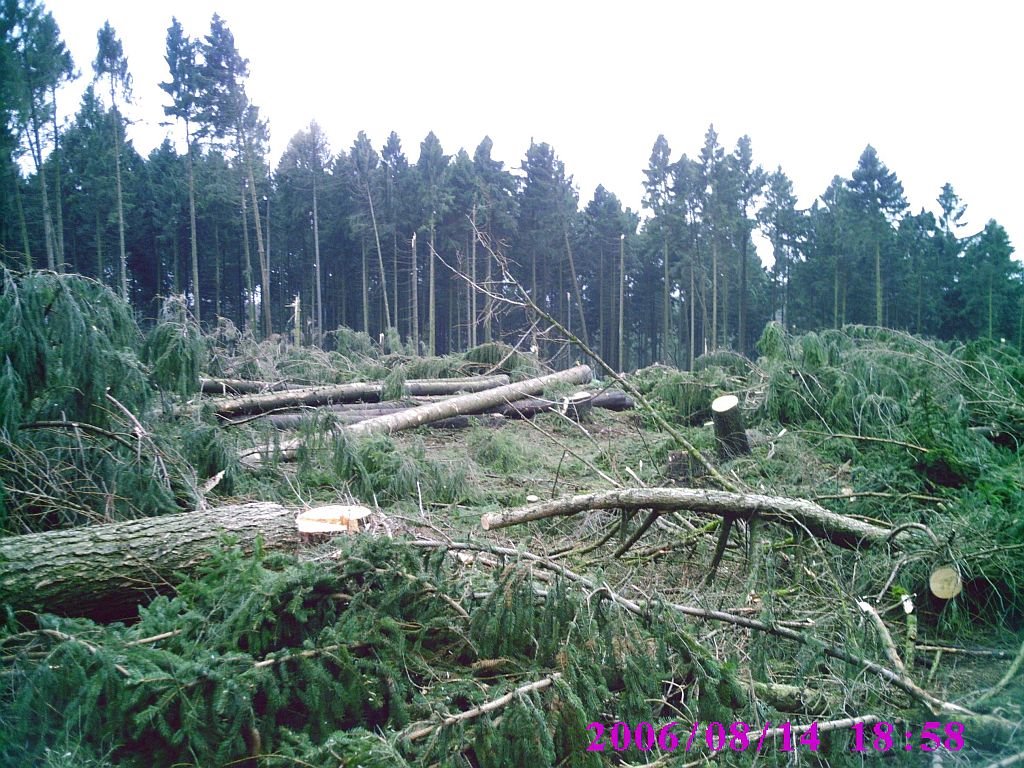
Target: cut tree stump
105, 571
730, 431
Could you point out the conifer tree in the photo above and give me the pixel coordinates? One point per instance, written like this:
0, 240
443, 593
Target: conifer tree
111, 63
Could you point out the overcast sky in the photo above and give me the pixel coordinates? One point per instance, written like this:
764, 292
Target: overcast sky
933, 86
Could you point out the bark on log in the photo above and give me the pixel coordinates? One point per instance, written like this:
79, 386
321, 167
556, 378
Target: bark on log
843, 531
240, 386
729, 428
347, 393
529, 407
460, 405
105, 571
350, 413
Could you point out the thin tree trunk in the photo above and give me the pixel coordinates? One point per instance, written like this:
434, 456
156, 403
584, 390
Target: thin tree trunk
380, 261
693, 315
431, 314
366, 288
37, 155
488, 305
741, 329
878, 284
575, 286
316, 259
218, 277
250, 299
835, 293
99, 252
666, 307
414, 297
714, 294
123, 264
622, 302
473, 283
260, 251
193, 245
57, 185
22, 223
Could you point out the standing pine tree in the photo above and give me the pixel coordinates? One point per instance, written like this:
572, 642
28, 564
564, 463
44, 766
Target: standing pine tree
111, 63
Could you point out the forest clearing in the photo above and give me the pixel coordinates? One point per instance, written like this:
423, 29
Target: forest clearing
349, 456
499, 579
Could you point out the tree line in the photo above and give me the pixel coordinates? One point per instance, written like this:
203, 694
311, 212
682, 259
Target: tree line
369, 239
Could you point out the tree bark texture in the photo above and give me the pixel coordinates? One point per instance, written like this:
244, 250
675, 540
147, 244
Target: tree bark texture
105, 571
843, 531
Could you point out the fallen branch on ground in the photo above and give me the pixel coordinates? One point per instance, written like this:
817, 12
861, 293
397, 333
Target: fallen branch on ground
843, 531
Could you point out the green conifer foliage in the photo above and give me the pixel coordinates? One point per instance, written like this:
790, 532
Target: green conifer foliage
175, 349
338, 661
66, 342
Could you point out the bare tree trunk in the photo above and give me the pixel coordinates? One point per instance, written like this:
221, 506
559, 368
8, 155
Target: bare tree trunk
414, 296
473, 283
622, 302
714, 294
380, 261
22, 224
250, 298
260, 250
193, 244
316, 258
123, 263
59, 207
432, 311
575, 286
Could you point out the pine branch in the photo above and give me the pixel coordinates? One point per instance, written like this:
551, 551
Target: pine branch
483, 709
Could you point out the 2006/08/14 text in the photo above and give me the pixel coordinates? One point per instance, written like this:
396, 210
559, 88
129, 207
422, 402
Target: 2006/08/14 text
738, 737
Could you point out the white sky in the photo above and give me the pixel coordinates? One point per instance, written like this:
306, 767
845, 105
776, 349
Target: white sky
934, 86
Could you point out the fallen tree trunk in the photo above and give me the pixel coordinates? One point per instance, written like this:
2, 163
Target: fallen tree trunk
461, 405
529, 407
526, 408
843, 531
347, 393
240, 386
105, 571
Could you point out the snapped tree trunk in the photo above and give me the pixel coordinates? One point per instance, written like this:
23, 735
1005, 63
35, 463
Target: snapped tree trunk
105, 571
